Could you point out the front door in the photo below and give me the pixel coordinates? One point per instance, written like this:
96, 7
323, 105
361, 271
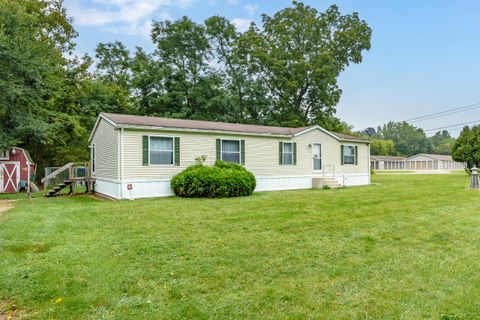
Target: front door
317, 156
11, 175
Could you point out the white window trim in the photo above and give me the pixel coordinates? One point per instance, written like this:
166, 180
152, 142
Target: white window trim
239, 150
150, 149
321, 157
283, 153
6, 157
343, 160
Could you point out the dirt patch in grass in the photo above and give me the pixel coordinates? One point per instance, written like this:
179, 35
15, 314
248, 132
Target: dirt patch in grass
8, 311
4, 206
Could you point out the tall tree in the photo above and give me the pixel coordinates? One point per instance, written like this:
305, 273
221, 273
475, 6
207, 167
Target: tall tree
114, 63
248, 97
408, 139
35, 36
191, 89
467, 147
380, 147
442, 142
299, 54
147, 82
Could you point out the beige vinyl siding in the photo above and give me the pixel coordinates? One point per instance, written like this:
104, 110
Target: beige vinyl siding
261, 153
106, 140
331, 153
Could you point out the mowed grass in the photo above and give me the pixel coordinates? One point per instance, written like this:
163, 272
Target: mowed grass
406, 247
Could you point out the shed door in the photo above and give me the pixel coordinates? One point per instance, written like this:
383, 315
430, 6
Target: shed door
11, 177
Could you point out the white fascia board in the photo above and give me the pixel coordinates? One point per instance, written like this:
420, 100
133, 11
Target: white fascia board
331, 134
241, 133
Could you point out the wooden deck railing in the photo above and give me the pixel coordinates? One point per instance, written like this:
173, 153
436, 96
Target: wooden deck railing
67, 175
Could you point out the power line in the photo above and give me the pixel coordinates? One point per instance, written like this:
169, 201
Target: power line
444, 113
454, 125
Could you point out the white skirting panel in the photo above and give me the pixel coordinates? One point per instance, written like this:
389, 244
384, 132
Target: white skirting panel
358, 179
271, 183
161, 188
351, 179
107, 187
147, 189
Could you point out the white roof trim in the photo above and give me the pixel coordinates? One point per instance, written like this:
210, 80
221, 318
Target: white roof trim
158, 128
331, 134
315, 128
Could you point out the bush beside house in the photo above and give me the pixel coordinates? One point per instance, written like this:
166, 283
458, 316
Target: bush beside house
220, 181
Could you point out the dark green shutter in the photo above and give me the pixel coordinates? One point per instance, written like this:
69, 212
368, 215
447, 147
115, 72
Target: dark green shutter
356, 155
294, 153
280, 153
219, 156
177, 151
145, 150
242, 151
341, 154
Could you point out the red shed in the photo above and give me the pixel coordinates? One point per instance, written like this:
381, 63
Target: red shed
16, 170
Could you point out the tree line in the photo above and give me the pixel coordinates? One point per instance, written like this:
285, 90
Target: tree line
404, 139
281, 72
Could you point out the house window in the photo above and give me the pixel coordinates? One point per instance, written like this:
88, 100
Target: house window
161, 150
317, 156
231, 151
348, 155
4, 155
93, 156
287, 153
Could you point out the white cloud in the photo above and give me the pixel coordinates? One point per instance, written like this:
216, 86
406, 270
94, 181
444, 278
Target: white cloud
233, 2
252, 8
241, 24
129, 16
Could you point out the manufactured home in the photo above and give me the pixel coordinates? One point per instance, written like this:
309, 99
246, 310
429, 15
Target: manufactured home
136, 156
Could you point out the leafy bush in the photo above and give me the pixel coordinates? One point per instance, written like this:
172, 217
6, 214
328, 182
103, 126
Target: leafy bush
220, 181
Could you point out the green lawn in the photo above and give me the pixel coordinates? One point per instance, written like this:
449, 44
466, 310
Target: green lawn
406, 247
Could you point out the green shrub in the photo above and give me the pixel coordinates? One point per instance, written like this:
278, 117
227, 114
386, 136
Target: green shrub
220, 181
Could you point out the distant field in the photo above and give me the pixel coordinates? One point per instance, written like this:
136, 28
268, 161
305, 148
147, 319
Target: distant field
406, 247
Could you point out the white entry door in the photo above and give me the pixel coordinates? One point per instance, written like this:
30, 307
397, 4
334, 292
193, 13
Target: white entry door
317, 156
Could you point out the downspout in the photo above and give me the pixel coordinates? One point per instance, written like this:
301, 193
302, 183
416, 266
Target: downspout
28, 180
369, 166
121, 163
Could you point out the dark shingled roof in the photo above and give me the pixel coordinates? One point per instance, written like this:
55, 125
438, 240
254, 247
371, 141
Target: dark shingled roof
211, 125
349, 137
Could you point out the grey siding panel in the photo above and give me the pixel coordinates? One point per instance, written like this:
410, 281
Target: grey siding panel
106, 140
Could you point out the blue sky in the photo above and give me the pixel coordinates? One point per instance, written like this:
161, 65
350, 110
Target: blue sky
424, 56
